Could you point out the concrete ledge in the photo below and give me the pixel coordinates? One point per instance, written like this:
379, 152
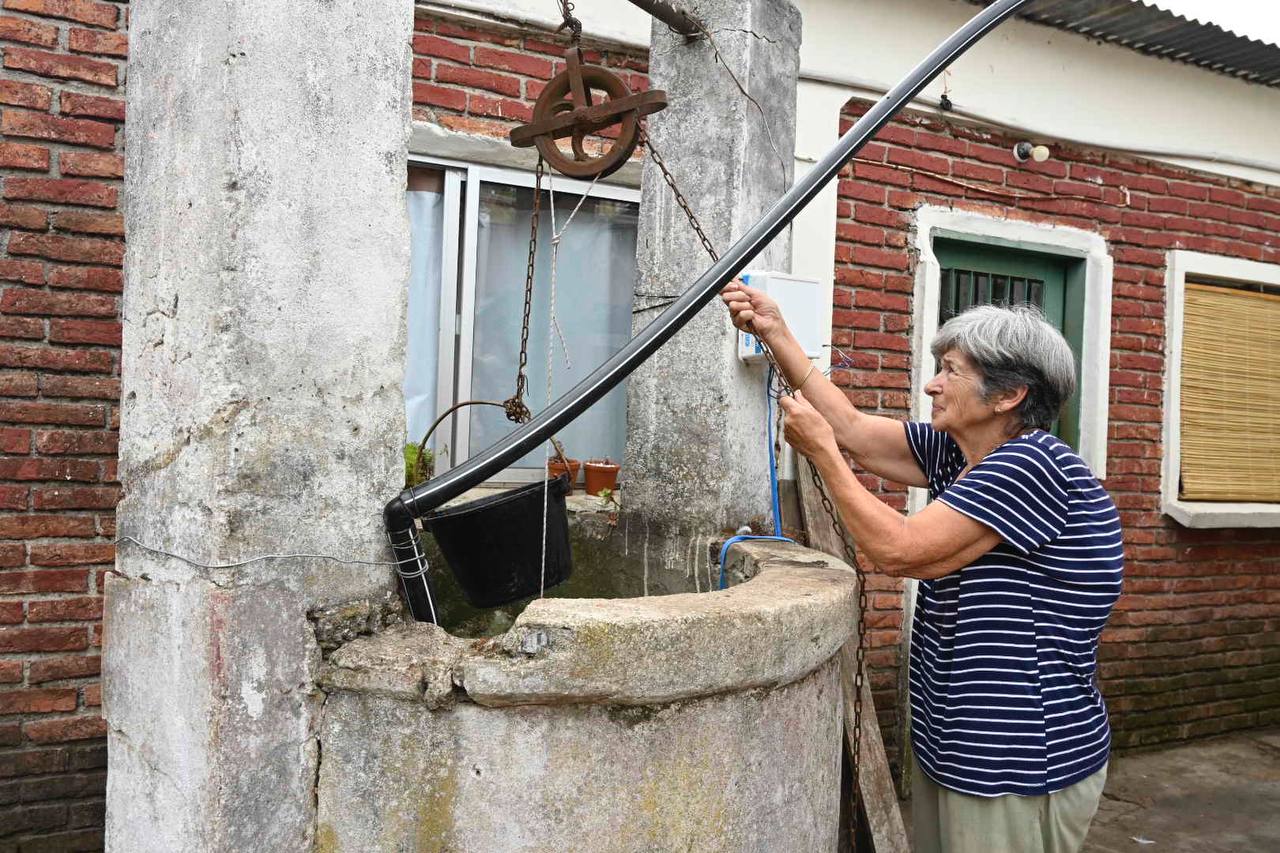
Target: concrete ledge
784, 623
414, 661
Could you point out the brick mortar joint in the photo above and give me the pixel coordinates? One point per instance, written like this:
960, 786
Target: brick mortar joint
517, 27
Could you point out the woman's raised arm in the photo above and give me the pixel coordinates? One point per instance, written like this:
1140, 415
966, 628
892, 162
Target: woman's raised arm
877, 444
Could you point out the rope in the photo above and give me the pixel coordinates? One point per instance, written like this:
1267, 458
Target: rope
553, 325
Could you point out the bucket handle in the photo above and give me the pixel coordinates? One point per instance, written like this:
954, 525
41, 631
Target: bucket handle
422, 445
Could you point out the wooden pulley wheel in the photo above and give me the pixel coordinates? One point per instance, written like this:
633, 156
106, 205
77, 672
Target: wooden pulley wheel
581, 101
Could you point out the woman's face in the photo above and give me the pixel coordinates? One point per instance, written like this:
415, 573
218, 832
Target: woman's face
957, 394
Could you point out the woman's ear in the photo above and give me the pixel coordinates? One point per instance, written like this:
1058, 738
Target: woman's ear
1010, 400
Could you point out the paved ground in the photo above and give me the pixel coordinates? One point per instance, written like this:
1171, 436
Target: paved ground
1213, 796
1210, 796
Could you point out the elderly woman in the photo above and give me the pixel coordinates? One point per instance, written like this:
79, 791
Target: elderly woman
1019, 559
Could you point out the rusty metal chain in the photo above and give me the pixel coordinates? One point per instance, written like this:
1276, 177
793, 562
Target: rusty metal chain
850, 553
851, 557
515, 407
572, 24
647, 142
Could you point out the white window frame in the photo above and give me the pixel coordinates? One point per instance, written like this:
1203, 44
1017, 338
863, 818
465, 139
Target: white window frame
1180, 264
1095, 385
458, 289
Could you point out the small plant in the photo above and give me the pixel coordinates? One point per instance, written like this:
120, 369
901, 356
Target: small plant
609, 497
419, 465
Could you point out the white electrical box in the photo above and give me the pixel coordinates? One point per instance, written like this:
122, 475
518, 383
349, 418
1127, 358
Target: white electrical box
801, 302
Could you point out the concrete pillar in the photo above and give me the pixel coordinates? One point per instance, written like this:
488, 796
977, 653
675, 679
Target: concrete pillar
264, 316
696, 458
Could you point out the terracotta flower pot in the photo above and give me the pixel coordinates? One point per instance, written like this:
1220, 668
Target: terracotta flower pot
555, 468
601, 474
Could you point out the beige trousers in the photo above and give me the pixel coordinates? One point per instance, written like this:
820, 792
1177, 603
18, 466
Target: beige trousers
946, 821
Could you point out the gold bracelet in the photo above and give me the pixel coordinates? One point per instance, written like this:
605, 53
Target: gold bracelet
812, 367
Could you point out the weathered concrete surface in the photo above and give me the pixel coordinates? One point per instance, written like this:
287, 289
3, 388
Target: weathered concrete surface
263, 348
264, 303
212, 744
621, 725
791, 617
754, 771
342, 623
696, 459
417, 660
1214, 796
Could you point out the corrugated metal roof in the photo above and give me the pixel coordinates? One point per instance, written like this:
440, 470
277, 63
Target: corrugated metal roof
1138, 25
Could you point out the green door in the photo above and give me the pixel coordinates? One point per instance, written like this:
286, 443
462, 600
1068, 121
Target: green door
979, 274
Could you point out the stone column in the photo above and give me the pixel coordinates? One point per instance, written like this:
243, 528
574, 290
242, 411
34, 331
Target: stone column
264, 316
696, 458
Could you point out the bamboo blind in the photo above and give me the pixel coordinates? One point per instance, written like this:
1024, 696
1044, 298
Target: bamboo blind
1230, 395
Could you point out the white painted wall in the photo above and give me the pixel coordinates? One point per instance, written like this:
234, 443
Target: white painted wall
1056, 86
1053, 84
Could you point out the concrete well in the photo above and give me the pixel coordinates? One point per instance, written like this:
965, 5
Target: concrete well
679, 722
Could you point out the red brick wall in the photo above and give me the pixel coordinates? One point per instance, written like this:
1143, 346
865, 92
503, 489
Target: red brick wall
1193, 647
485, 80
61, 112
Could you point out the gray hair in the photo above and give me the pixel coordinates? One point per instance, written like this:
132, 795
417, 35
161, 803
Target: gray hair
1013, 347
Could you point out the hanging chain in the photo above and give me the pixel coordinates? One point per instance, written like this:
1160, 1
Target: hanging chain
570, 23
646, 141
516, 408
851, 557
846, 542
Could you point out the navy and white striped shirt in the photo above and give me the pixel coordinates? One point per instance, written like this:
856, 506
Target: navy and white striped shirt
1003, 651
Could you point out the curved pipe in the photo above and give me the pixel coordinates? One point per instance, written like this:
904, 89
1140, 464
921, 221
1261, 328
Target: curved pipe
421, 499
411, 561
427, 496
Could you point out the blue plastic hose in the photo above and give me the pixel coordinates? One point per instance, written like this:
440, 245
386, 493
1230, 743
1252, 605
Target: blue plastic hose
773, 486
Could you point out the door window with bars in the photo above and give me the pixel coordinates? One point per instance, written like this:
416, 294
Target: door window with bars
963, 288
981, 274
976, 274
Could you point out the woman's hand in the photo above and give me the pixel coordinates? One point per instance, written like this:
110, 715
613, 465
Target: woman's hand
806, 429
752, 311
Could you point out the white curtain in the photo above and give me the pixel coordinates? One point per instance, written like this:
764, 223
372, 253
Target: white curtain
594, 282
426, 221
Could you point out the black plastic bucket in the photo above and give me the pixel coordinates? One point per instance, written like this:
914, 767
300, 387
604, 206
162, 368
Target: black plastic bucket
494, 545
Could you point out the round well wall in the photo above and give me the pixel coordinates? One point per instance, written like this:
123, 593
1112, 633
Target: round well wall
677, 722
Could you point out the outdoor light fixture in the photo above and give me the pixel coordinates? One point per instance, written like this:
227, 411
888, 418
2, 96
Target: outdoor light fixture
1025, 151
